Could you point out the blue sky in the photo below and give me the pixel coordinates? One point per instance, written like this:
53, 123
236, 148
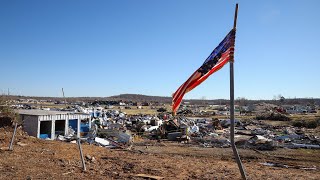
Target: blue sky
105, 48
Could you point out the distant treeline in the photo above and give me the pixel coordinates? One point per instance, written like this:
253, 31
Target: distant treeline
167, 100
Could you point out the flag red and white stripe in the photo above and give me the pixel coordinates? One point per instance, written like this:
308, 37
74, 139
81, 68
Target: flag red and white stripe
223, 53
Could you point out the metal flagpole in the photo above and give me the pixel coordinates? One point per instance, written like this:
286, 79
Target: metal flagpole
81, 155
13, 135
234, 148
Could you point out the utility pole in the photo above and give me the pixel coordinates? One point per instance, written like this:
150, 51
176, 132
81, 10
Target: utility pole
65, 100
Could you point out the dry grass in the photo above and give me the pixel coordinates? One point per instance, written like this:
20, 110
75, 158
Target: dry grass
306, 117
135, 110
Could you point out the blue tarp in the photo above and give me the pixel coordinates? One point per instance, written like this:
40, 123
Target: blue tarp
95, 114
84, 127
74, 124
45, 136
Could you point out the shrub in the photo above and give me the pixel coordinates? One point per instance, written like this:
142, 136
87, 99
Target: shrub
312, 124
299, 123
307, 124
273, 116
5, 121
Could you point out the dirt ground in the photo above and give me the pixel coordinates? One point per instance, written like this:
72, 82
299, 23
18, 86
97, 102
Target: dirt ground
34, 158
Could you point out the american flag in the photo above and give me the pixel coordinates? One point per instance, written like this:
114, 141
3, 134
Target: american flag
217, 59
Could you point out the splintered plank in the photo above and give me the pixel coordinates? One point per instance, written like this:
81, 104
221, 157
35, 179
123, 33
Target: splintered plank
148, 176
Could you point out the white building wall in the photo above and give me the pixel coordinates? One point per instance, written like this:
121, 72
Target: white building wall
53, 126
66, 130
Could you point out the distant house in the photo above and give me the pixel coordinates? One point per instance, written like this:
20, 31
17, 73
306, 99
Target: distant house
145, 104
225, 113
109, 107
248, 108
295, 109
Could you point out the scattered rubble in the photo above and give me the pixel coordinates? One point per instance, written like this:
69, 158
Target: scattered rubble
113, 128
249, 134
281, 165
21, 144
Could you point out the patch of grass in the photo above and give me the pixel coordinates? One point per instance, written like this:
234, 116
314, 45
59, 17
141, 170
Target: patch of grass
303, 151
135, 110
303, 116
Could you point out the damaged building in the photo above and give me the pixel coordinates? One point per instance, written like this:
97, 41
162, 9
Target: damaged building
49, 124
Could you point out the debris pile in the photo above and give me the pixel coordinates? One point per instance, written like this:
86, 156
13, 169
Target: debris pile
249, 134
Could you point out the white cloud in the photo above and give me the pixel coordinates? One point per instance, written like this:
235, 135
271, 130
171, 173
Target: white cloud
270, 16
